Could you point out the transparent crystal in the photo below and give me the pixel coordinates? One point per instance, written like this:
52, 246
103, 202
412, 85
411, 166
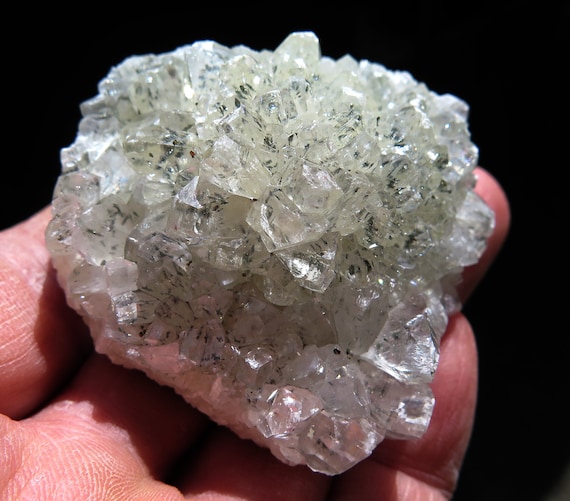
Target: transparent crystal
274, 234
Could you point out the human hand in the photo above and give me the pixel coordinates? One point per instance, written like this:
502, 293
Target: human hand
75, 426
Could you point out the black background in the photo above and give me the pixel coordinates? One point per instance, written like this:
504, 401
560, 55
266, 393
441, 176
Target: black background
506, 63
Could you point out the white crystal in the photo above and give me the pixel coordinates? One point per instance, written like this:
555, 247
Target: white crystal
277, 235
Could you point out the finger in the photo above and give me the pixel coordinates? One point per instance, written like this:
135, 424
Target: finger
492, 193
71, 463
119, 422
427, 468
41, 340
231, 469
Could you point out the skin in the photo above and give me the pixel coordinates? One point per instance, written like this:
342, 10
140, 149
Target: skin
75, 426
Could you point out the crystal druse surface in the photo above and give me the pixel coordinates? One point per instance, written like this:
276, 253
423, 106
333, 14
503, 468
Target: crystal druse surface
276, 235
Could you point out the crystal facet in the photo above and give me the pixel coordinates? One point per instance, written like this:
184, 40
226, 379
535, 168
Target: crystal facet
276, 235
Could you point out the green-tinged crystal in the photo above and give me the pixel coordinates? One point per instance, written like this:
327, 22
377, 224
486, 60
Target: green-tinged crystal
276, 235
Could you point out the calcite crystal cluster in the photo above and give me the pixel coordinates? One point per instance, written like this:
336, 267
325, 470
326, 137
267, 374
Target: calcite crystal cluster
276, 235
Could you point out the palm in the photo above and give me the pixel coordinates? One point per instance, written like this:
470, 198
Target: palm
78, 427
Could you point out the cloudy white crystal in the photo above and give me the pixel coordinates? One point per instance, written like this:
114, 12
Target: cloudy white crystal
275, 235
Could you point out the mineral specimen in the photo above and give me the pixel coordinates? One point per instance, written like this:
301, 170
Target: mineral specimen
276, 235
